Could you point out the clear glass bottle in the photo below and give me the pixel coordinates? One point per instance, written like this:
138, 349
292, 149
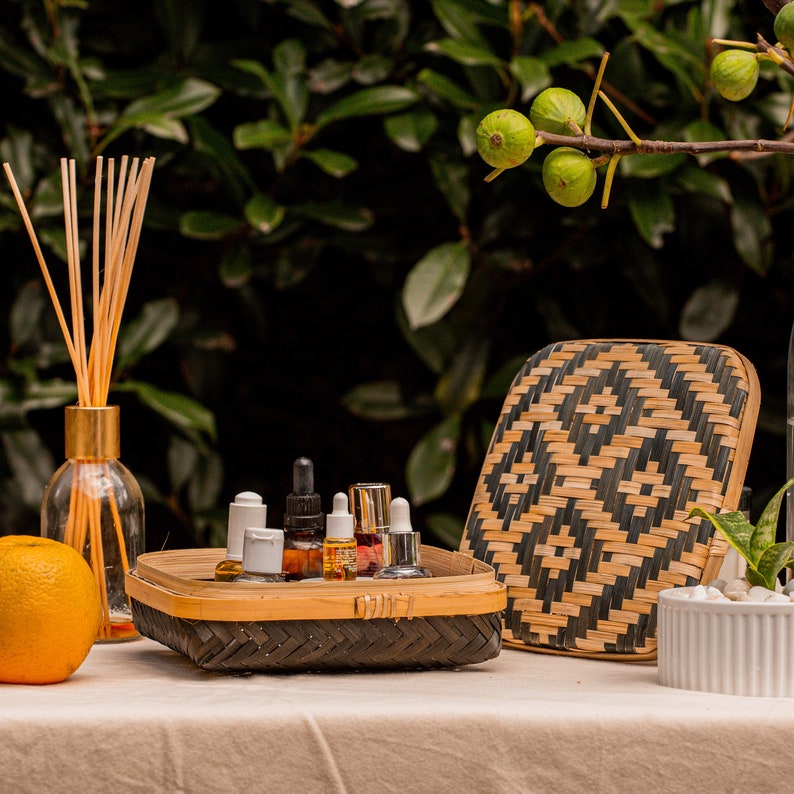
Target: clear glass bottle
339, 546
263, 555
247, 510
401, 546
94, 504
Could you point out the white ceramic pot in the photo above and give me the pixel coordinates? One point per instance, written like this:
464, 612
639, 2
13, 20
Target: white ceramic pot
730, 647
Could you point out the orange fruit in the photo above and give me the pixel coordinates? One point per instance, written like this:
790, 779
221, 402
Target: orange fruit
50, 610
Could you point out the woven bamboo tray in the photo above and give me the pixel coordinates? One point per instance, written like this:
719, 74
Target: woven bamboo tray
449, 620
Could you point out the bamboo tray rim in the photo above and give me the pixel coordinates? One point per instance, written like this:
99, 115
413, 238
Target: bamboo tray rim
179, 583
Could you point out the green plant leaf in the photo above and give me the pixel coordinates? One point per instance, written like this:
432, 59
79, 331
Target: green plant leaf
651, 166
532, 73
31, 464
452, 179
179, 410
263, 213
336, 164
752, 234
235, 266
572, 52
435, 283
411, 130
147, 331
207, 225
186, 99
460, 385
766, 526
262, 134
653, 213
698, 180
368, 102
336, 215
383, 401
464, 53
447, 89
773, 560
431, 464
709, 311
735, 528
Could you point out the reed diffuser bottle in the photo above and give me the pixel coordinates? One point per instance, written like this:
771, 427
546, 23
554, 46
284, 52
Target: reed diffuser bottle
94, 504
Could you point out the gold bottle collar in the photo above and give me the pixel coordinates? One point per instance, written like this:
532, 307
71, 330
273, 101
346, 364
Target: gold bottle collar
92, 432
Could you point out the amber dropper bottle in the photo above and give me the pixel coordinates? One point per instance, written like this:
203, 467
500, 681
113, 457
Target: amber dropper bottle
339, 546
247, 510
303, 525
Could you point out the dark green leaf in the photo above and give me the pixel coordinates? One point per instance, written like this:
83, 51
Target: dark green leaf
147, 331
207, 225
653, 213
696, 180
452, 179
445, 88
31, 464
464, 53
383, 401
431, 464
532, 73
235, 267
435, 283
336, 164
460, 385
181, 411
368, 102
338, 216
709, 311
264, 134
572, 52
752, 234
651, 166
411, 130
263, 213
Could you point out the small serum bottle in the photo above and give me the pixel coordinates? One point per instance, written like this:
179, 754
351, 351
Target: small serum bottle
303, 526
401, 546
339, 546
263, 555
369, 504
247, 510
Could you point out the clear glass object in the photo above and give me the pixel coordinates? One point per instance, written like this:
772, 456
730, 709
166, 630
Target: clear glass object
94, 504
263, 555
401, 546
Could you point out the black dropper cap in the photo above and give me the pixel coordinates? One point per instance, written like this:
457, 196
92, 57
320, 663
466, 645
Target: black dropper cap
303, 504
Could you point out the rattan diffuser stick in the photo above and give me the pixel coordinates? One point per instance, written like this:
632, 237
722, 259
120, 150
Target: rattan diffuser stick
93, 523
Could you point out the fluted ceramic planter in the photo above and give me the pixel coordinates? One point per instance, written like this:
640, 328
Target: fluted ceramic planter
728, 647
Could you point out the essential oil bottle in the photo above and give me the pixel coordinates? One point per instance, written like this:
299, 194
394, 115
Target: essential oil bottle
401, 546
247, 510
369, 504
303, 525
263, 555
339, 546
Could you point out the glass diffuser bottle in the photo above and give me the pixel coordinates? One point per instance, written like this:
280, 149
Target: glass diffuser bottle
94, 504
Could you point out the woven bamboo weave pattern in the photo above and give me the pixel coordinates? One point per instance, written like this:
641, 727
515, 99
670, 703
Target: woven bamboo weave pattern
302, 645
600, 451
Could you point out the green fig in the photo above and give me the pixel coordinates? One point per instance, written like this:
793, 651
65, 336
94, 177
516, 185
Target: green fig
569, 176
734, 74
552, 108
505, 138
784, 26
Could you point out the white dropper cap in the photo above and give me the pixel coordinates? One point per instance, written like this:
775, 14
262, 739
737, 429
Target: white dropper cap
247, 510
400, 515
340, 524
263, 550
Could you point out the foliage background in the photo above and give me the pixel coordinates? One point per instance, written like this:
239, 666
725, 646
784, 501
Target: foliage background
324, 271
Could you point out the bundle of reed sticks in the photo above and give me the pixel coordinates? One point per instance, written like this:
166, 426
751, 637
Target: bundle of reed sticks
114, 246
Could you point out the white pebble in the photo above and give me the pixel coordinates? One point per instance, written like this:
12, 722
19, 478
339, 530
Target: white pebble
776, 597
698, 593
759, 593
736, 588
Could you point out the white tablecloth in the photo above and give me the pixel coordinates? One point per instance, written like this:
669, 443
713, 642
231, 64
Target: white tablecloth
139, 717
